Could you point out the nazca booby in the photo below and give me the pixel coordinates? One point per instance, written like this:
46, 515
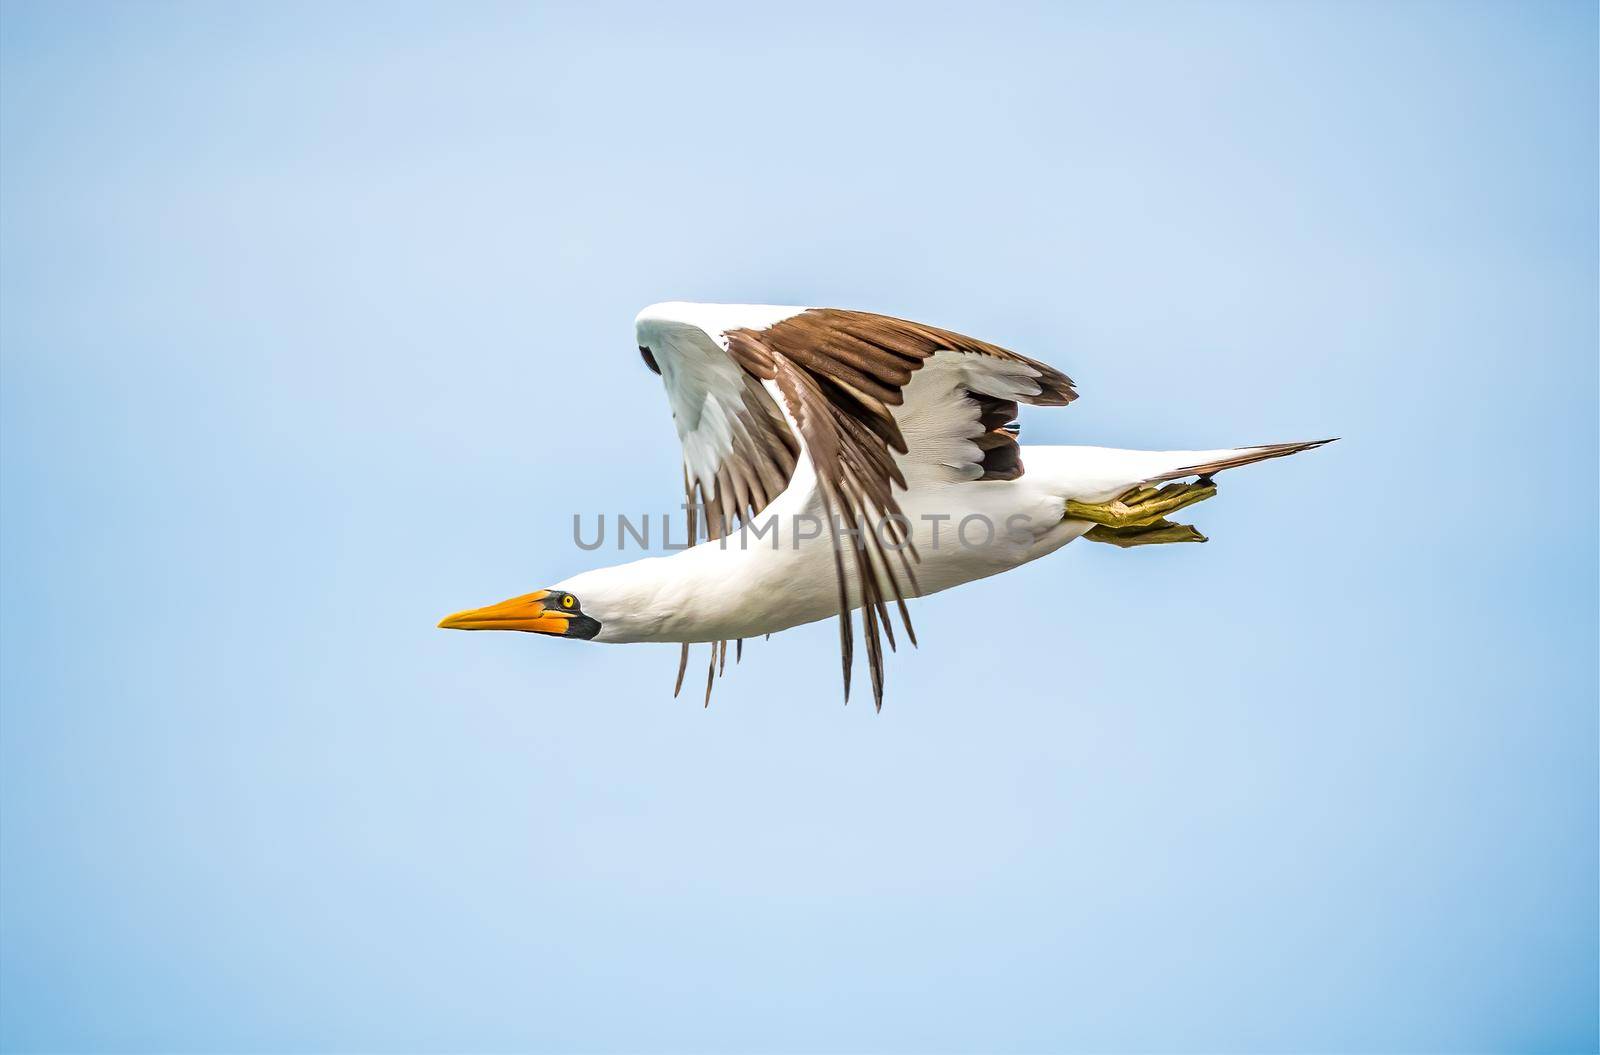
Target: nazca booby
839, 460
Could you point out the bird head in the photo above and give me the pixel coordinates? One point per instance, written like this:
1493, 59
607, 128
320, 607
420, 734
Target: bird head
556, 612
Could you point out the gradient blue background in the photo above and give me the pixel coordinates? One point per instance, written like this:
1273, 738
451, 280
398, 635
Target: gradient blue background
317, 325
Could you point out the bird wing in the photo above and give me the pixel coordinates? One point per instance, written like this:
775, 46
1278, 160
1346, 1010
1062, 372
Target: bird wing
876, 404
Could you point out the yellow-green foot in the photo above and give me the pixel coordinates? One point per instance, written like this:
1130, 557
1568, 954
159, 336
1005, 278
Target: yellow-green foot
1138, 517
1162, 531
1141, 506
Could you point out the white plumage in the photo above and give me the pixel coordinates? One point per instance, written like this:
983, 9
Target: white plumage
787, 415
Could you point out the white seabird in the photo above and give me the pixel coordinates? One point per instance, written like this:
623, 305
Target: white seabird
839, 460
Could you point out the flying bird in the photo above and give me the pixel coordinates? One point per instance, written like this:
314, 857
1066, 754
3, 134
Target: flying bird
838, 461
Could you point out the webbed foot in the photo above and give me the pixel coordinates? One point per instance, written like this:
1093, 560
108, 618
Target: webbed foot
1162, 531
1142, 506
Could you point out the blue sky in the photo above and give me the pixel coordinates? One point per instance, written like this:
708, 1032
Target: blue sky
316, 325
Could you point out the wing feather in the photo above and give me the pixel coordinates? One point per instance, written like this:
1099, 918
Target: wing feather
753, 386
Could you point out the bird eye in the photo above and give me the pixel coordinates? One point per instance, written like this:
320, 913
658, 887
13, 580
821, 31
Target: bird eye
568, 601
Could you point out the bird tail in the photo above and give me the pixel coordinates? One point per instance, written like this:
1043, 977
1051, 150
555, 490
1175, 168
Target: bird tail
1099, 474
1121, 492
1209, 462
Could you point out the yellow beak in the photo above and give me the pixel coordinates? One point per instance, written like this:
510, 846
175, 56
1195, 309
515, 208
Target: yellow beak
526, 613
